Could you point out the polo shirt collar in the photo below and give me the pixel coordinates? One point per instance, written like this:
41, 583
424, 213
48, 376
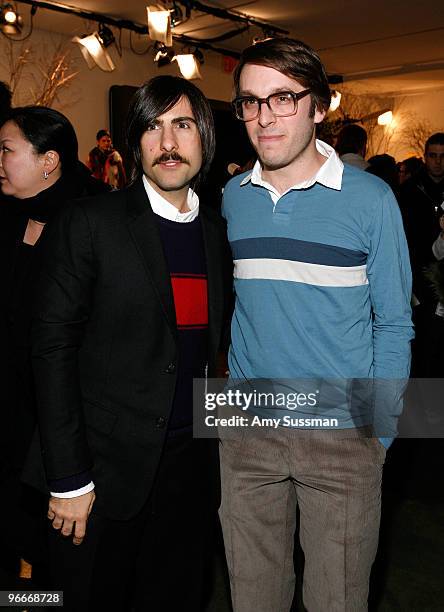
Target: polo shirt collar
329, 174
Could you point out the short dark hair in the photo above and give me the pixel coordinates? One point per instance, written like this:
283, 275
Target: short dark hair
293, 58
434, 139
384, 166
157, 96
412, 164
101, 133
351, 139
47, 129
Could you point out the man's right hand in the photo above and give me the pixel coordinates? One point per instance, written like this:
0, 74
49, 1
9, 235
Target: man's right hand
71, 514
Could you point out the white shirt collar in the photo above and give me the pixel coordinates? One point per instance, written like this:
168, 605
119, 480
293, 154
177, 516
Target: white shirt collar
329, 174
165, 209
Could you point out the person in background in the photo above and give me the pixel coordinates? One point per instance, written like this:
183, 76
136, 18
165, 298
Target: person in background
432, 399
409, 167
99, 154
351, 145
39, 173
131, 305
385, 167
114, 172
105, 162
421, 201
322, 291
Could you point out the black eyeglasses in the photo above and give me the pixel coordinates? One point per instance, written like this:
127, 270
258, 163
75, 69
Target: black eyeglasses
281, 104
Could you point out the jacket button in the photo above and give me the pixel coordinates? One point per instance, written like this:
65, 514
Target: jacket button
160, 423
171, 368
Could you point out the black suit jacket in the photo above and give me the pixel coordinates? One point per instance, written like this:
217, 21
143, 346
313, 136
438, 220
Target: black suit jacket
105, 344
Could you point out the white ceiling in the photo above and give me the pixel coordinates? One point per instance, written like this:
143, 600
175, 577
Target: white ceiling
390, 46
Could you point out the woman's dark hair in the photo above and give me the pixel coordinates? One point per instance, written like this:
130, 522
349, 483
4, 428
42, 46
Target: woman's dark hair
48, 130
5, 102
412, 165
293, 58
158, 96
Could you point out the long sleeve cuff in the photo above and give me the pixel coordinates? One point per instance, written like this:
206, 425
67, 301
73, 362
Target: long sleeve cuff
76, 493
71, 486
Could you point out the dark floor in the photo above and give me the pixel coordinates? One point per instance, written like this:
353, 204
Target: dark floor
408, 574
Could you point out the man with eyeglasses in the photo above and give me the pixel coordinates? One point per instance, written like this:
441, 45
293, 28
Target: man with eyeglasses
322, 283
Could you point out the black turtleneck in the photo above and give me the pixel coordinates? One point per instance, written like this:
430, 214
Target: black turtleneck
19, 269
43, 206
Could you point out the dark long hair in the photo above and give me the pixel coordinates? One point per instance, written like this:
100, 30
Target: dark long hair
158, 96
48, 130
5, 102
293, 58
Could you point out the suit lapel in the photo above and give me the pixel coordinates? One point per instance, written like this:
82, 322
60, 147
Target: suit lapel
143, 228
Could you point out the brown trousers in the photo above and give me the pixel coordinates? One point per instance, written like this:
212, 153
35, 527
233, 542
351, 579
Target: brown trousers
335, 479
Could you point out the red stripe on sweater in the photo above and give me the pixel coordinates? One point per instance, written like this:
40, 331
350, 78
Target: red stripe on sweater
191, 301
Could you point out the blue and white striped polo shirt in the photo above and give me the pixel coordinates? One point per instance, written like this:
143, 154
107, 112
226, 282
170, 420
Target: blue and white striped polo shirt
321, 275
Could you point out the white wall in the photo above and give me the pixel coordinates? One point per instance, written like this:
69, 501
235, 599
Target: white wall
85, 101
426, 108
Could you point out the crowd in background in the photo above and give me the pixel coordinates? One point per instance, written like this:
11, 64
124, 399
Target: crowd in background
419, 188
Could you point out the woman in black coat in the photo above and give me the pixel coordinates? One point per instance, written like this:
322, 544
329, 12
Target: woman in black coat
39, 173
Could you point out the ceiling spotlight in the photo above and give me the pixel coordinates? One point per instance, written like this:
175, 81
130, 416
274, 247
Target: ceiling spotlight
176, 15
266, 35
10, 21
335, 100
384, 114
106, 36
159, 25
385, 118
94, 52
10, 14
164, 55
188, 66
199, 56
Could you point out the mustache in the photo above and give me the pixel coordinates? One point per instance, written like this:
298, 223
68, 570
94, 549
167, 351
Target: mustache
173, 156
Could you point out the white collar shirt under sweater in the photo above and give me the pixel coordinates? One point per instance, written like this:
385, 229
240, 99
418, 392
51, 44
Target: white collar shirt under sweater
165, 209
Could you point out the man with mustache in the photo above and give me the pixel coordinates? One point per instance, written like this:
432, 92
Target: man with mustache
130, 308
